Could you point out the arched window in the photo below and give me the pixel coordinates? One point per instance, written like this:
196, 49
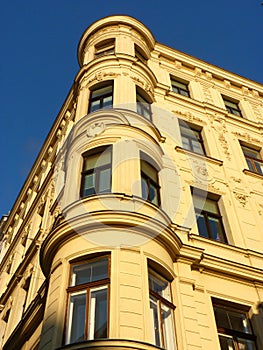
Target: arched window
143, 104
162, 310
101, 96
96, 173
88, 295
149, 181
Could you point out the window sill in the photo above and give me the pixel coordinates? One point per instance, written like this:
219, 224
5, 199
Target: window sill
252, 173
111, 344
200, 156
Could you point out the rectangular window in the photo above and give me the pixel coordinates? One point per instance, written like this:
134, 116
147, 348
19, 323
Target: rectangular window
232, 107
105, 48
149, 182
139, 54
161, 307
253, 159
96, 173
180, 87
191, 138
233, 327
209, 220
143, 106
87, 317
101, 97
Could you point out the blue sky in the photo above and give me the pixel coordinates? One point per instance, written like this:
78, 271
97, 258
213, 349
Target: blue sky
38, 59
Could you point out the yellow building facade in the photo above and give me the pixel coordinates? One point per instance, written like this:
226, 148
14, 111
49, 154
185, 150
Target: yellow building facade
140, 223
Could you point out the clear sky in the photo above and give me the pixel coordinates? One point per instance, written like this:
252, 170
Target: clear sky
38, 60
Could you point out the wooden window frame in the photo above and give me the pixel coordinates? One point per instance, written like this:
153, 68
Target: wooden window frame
231, 333
96, 171
252, 161
207, 214
183, 91
101, 97
149, 181
230, 109
160, 300
105, 48
190, 138
88, 288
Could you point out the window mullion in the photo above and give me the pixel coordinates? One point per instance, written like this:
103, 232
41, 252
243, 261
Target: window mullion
87, 312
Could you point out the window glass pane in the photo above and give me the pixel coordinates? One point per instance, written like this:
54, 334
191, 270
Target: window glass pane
150, 171
153, 195
167, 323
88, 186
239, 322
250, 152
98, 313
159, 285
206, 204
102, 91
202, 229
89, 272
94, 105
216, 229
107, 102
186, 143
156, 337
245, 344
250, 164
104, 180
259, 167
197, 147
96, 160
226, 343
221, 317
145, 189
76, 318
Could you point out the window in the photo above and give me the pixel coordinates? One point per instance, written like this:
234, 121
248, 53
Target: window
139, 54
232, 107
191, 138
180, 87
105, 48
149, 181
143, 105
96, 173
87, 317
101, 97
209, 220
253, 159
161, 307
233, 327
26, 290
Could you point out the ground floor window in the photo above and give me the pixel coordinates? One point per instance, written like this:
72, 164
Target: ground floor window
88, 295
233, 327
161, 307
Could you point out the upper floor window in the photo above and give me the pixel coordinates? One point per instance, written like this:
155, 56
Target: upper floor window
161, 307
180, 87
96, 173
88, 292
232, 107
139, 54
191, 138
104, 48
233, 327
150, 183
143, 104
101, 96
209, 220
254, 160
